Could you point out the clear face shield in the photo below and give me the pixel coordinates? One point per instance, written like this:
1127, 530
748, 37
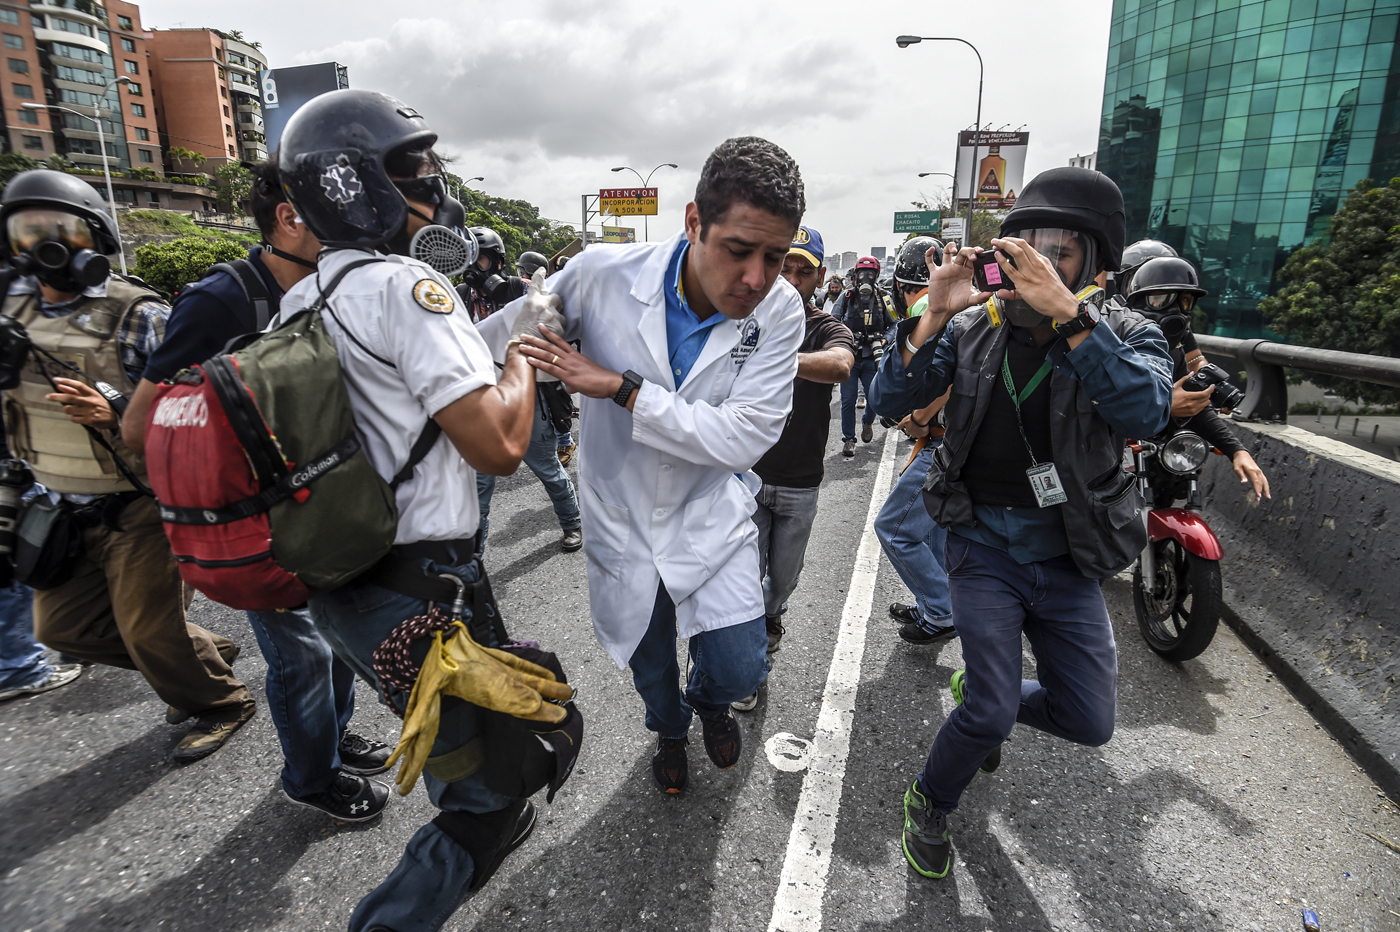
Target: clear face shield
1075, 257
56, 246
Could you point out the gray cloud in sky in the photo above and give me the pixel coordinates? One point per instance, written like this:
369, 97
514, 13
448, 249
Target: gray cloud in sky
543, 97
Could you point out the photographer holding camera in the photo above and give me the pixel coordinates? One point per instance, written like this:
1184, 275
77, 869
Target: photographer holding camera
868, 313
1164, 290
120, 600
1046, 383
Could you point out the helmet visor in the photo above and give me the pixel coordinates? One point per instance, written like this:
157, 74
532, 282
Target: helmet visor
1067, 250
425, 189
30, 226
1164, 300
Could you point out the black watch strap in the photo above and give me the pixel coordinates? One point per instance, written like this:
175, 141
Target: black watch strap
631, 381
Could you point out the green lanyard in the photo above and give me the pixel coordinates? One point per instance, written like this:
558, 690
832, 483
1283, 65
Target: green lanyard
1018, 398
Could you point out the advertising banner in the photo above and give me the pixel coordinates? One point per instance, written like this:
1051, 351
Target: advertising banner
1000, 168
284, 90
627, 202
619, 234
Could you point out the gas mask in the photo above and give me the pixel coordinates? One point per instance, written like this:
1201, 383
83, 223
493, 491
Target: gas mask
449, 218
1170, 311
865, 282
57, 248
1075, 257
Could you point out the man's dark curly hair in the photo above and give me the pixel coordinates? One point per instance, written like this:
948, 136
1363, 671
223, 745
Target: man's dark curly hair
754, 171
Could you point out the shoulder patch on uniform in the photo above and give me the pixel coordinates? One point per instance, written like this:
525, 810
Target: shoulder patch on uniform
433, 297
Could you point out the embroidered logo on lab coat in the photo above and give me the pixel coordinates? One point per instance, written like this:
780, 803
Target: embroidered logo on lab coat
748, 342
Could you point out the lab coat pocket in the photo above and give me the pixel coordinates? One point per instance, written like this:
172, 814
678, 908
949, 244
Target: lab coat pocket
607, 530
723, 383
716, 525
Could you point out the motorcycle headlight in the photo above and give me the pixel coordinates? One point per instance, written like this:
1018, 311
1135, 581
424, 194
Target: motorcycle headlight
1183, 454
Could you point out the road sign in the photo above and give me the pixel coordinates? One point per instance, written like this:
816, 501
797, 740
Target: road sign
619, 234
627, 202
953, 229
916, 221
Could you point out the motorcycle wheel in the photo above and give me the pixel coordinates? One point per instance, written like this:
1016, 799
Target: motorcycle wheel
1178, 617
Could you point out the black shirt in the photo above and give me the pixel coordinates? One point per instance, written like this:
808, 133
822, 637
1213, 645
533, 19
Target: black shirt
1207, 422
796, 461
995, 471
205, 316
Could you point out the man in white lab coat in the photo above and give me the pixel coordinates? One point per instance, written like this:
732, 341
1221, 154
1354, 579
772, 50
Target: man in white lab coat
687, 355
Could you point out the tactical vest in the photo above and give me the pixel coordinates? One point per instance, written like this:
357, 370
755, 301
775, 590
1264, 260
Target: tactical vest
63, 456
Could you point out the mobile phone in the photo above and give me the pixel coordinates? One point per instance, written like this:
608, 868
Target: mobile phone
987, 275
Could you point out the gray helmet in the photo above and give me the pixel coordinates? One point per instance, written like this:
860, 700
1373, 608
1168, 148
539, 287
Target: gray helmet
528, 262
43, 187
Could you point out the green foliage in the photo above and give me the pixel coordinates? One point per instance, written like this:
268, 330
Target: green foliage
1345, 294
160, 222
985, 223
518, 222
235, 183
145, 174
173, 265
12, 163
181, 154
59, 163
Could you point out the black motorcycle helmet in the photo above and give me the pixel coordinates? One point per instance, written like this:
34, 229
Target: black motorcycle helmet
1165, 289
1135, 255
910, 267
1078, 199
489, 243
331, 160
43, 187
528, 262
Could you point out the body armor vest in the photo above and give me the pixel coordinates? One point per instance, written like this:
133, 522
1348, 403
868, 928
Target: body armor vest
62, 454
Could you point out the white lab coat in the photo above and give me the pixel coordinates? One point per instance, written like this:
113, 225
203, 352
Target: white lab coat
658, 490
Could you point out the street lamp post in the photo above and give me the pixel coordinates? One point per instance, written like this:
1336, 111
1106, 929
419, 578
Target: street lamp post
467, 182
646, 182
904, 42
102, 146
954, 187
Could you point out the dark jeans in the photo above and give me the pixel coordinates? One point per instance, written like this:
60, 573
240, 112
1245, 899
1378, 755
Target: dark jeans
310, 695
1062, 613
914, 543
432, 877
862, 373
542, 456
784, 517
22, 662
725, 664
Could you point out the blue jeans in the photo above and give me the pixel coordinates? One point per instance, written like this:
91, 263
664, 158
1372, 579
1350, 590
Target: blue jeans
542, 457
914, 543
433, 876
784, 517
861, 375
725, 664
22, 661
310, 696
1063, 615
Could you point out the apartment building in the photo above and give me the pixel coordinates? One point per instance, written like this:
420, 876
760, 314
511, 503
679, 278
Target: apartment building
207, 96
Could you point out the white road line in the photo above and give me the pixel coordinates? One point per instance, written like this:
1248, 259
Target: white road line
798, 907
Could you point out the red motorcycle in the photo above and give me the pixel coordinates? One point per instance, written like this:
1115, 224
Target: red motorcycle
1176, 581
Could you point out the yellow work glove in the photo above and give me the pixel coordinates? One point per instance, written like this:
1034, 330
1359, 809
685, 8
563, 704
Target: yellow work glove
493, 679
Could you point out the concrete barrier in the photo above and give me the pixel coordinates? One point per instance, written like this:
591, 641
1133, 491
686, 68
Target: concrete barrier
1312, 581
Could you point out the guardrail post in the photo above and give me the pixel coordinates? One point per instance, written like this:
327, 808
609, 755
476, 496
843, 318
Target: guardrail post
1266, 391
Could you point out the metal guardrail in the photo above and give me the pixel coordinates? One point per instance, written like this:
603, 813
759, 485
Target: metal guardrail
1266, 391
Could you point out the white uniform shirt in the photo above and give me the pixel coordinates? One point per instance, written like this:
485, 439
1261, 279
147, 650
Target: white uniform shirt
437, 358
657, 489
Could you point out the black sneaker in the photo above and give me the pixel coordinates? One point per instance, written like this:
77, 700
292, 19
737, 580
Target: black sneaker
361, 756
915, 633
903, 613
926, 843
349, 798
958, 684
723, 739
669, 765
774, 624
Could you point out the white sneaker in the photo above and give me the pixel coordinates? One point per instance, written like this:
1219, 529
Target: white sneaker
61, 675
746, 704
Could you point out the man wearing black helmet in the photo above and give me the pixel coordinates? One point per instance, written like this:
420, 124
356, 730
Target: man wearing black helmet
484, 288
1165, 289
123, 603
868, 313
360, 170
1046, 383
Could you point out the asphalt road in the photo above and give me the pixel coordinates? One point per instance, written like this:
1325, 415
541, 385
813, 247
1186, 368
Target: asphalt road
1219, 804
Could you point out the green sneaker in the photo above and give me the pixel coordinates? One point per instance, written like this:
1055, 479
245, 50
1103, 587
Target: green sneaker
957, 684
926, 843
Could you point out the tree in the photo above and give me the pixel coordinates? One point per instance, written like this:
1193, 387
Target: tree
181, 154
985, 224
1344, 293
518, 222
171, 266
59, 163
12, 163
234, 183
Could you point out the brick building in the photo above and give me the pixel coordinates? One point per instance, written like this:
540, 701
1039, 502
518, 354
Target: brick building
207, 95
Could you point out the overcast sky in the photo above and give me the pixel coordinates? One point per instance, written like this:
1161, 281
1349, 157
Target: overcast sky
543, 97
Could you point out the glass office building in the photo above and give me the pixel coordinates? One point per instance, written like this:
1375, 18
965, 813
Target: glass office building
1235, 128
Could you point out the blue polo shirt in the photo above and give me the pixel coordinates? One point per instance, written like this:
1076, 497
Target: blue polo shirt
686, 333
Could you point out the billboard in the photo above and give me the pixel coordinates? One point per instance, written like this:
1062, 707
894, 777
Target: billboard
627, 202
1000, 168
619, 234
284, 90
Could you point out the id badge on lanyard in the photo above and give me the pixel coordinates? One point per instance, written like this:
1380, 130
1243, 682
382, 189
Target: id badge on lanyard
1043, 477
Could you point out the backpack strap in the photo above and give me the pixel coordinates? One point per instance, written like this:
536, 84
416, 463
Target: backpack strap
254, 288
431, 432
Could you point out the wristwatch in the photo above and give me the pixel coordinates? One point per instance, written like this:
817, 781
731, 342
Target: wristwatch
631, 381
1090, 311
